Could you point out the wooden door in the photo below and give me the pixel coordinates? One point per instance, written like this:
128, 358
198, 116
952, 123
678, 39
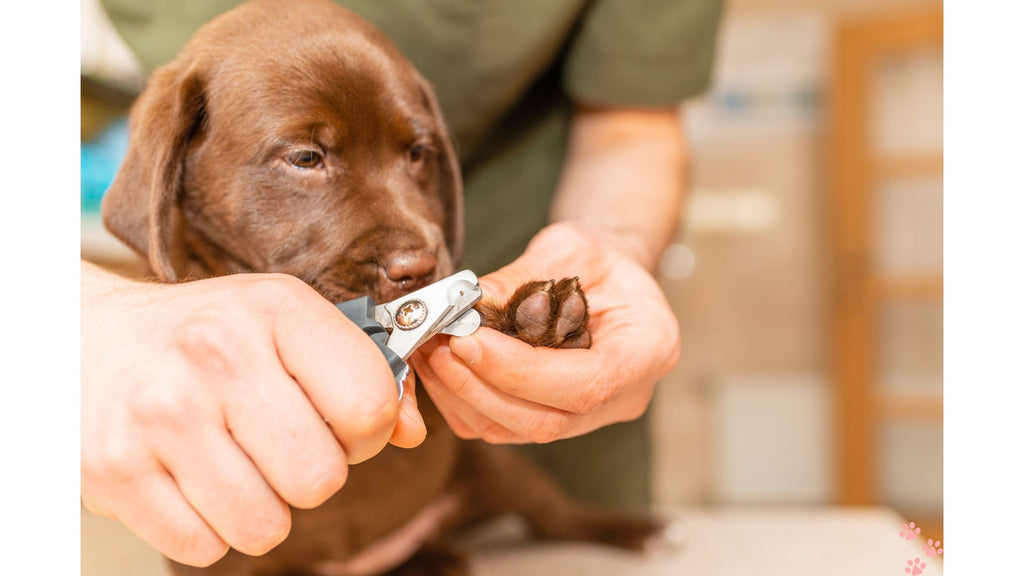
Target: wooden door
886, 253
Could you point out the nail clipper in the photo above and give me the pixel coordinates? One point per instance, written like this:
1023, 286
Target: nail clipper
401, 326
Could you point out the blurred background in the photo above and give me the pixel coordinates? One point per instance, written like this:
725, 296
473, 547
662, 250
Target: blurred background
807, 274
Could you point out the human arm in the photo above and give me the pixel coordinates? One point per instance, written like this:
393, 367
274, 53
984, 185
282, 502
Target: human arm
209, 406
625, 174
615, 209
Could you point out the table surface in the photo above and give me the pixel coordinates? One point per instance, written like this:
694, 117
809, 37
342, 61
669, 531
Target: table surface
788, 541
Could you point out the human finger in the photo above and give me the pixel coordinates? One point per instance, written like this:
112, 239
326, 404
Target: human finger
521, 418
442, 399
410, 431
465, 420
568, 380
284, 436
342, 371
158, 513
220, 482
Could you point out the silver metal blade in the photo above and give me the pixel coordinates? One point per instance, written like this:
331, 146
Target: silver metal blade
464, 325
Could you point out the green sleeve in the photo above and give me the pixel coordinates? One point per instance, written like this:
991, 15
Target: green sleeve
156, 31
642, 52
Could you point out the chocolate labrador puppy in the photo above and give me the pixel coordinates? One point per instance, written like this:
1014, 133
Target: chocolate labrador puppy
293, 137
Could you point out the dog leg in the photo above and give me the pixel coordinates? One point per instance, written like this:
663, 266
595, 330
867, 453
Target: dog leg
434, 560
543, 313
233, 564
502, 481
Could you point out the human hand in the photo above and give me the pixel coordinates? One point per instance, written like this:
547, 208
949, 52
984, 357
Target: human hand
492, 386
209, 406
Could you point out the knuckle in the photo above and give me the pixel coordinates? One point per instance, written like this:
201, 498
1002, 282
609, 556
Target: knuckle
270, 293
463, 431
639, 406
328, 477
552, 426
542, 435
515, 383
460, 386
211, 347
634, 412
267, 532
495, 434
198, 547
594, 399
273, 286
163, 404
366, 428
380, 414
284, 288
93, 506
108, 461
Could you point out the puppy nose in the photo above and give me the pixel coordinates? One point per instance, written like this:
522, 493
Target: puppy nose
409, 269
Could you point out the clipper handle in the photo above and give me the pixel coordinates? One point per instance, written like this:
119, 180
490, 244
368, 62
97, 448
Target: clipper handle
360, 312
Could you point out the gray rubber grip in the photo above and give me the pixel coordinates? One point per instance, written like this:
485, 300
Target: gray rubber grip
360, 312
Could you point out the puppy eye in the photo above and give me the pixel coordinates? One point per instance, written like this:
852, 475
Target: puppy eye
418, 152
305, 159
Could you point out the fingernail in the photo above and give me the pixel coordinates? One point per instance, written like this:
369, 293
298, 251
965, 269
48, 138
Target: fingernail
412, 413
467, 348
409, 406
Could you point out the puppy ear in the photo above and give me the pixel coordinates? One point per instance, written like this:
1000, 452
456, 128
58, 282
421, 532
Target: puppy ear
451, 176
138, 207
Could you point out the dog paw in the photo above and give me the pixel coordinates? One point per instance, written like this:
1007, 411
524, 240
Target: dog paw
544, 313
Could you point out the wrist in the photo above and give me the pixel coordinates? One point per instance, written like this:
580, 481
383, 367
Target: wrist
96, 281
623, 241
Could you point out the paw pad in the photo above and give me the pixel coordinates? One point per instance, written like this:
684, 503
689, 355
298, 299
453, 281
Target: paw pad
544, 313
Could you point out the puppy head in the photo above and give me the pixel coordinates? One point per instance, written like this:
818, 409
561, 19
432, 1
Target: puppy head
291, 137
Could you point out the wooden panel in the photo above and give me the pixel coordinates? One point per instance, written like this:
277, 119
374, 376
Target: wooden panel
919, 288
852, 361
927, 408
859, 47
903, 166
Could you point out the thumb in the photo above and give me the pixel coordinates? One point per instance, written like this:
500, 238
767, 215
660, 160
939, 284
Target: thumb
410, 430
498, 286
557, 251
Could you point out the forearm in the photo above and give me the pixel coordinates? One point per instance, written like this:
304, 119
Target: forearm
622, 188
96, 282
625, 173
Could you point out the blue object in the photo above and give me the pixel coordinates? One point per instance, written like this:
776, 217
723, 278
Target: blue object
101, 157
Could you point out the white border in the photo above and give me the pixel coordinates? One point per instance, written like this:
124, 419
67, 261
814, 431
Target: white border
984, 286
39, 409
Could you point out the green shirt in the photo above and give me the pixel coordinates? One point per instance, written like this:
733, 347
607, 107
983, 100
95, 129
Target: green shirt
506, 73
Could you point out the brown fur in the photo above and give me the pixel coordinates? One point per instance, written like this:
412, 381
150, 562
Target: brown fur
208, 187
544, 313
